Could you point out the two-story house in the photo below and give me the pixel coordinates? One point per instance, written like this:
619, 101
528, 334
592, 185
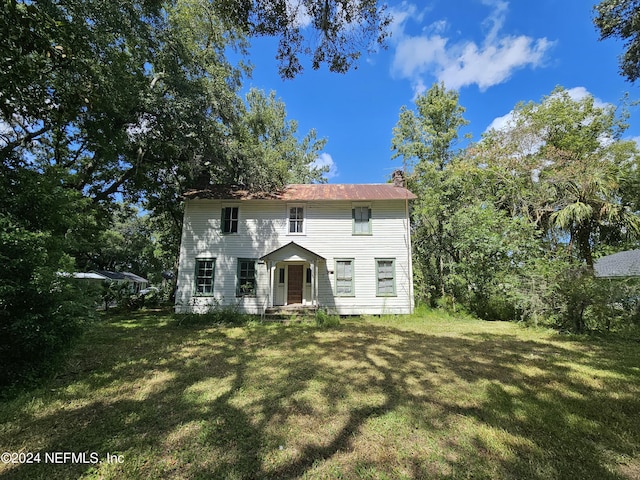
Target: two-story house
343, 248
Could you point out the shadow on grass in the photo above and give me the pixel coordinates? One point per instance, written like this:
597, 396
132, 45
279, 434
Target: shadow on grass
362, 401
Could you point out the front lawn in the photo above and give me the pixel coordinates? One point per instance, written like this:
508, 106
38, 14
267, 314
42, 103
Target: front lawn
425, 397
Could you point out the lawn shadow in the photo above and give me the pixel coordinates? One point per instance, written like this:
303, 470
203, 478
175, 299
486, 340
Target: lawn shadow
286, 402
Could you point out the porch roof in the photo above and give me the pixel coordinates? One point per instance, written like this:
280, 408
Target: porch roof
292, 252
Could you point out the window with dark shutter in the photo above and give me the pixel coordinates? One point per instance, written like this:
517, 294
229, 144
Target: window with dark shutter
361, 220
229, 220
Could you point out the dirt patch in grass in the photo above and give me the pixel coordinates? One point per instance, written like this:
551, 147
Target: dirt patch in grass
411, 398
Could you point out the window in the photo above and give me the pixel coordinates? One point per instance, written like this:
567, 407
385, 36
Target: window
308, 275
229, 220
281, 275
246, 277
361, 220
344, 278
386, 282
296, 219
205, 269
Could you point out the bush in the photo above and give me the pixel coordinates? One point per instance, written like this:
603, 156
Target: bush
216, 314
38, 328
324, 320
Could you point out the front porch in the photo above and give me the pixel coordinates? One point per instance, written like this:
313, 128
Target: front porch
293, 280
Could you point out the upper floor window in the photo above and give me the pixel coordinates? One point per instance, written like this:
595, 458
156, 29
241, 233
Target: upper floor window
205, 271
229, 220
296, 219
361, 220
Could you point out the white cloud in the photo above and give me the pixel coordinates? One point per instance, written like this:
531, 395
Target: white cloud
325, 160
6, 133
399, 17
578, 93
298, 13
496, 19
415, 55
492, 64
505, 122
464, 63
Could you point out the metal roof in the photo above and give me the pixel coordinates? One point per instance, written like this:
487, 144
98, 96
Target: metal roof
309, 192
621, 264
121, 276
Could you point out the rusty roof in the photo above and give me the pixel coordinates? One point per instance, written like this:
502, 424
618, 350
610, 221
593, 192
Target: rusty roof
308, 192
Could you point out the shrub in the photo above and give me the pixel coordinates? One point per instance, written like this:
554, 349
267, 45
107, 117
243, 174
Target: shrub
215, 314
324, 320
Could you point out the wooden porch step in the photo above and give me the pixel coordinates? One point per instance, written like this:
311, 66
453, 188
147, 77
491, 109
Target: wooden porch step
288, 312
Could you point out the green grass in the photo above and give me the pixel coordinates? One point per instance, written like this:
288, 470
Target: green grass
431, 396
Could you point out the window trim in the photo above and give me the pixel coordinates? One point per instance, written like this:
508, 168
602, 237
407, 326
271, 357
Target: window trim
353, 219
231, 220
303, 219
196, 293
393, 272
238, 277
352, 293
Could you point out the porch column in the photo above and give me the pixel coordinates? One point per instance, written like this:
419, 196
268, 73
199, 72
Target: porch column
313, 283
271, 270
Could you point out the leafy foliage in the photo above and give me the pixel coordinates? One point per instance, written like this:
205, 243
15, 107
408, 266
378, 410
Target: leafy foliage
331, 32
40, 310
509, 228
621, 19
134, 102
426, 141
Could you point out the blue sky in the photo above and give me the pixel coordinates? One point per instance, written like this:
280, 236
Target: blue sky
496, 53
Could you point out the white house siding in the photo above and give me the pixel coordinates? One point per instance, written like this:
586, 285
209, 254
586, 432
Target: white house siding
263, 228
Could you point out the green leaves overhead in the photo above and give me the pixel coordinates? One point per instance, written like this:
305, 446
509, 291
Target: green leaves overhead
126, 96
621, 19
331, 32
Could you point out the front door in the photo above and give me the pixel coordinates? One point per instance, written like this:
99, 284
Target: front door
294, 285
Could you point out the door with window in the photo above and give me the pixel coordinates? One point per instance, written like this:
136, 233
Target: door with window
294, 284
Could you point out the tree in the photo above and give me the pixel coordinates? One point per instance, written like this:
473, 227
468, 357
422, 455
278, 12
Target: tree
41, 310
111, 94
118, 96
135, 99
621, 19
337, 31
264, 150
562, 164
426, 141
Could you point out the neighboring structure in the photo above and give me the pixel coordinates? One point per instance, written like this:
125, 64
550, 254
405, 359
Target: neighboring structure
344, 248
619, 265
135, 282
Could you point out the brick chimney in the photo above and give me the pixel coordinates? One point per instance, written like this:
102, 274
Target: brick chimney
398, 178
